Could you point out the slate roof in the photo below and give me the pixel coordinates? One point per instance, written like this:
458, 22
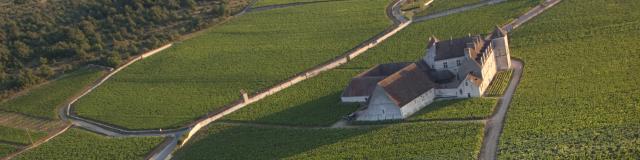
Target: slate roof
456, 47
361, 86
407, 84
364, 83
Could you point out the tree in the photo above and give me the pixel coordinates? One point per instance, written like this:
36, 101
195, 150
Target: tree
5, 54
45, 71
188, 3
113, 60
26, 79
22, 50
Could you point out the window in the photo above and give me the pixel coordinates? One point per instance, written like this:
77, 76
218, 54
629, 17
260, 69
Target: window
466, 83
458, 62
445, 64
460, 91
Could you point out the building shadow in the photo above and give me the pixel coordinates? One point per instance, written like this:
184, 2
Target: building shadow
322, 111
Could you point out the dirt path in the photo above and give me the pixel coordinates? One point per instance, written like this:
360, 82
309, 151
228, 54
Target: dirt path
494, 125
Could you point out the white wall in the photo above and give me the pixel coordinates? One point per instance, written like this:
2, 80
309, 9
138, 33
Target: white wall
488, 71
380, 107
452, 64
418, 103
468, 88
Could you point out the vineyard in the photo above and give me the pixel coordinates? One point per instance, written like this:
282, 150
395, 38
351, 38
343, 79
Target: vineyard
6, 149
251, 52
401, 141
410, 44
80, 144
318, 99
579, 97
302, 102
314, 102
262, 3
19, 136
474, 108
42, 101
499, 83
443, 5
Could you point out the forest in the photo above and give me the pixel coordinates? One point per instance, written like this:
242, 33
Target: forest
40, 39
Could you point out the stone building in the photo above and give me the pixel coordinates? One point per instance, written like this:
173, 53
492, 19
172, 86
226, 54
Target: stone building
455, 68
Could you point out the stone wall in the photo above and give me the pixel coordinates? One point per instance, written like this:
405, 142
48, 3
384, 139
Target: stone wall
417, 104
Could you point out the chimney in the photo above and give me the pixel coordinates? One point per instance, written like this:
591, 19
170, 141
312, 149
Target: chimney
245, 96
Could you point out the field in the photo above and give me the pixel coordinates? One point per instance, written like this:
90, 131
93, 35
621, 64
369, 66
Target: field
43, 101
318, 94
579, 97
499, 83
14, 120
412, 140
261, 3
6, 149
302, 101
19, 136
252, 52
81, 144
474, 108
443, 5
401, 141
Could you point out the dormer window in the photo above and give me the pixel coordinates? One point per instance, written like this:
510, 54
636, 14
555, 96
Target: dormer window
458, 62
445, 65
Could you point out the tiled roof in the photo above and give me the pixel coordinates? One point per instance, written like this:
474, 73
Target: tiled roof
407, 84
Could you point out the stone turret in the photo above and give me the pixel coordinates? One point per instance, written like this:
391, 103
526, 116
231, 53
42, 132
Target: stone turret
500, 42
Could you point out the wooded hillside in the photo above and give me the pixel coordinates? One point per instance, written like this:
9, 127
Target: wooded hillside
41, 38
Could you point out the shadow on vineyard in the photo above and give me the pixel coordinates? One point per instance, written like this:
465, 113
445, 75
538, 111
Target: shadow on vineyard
316, 112
243, 142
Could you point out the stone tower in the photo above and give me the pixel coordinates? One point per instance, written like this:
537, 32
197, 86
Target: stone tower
501, 51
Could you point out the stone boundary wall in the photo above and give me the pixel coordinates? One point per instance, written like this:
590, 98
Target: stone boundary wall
238, 104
